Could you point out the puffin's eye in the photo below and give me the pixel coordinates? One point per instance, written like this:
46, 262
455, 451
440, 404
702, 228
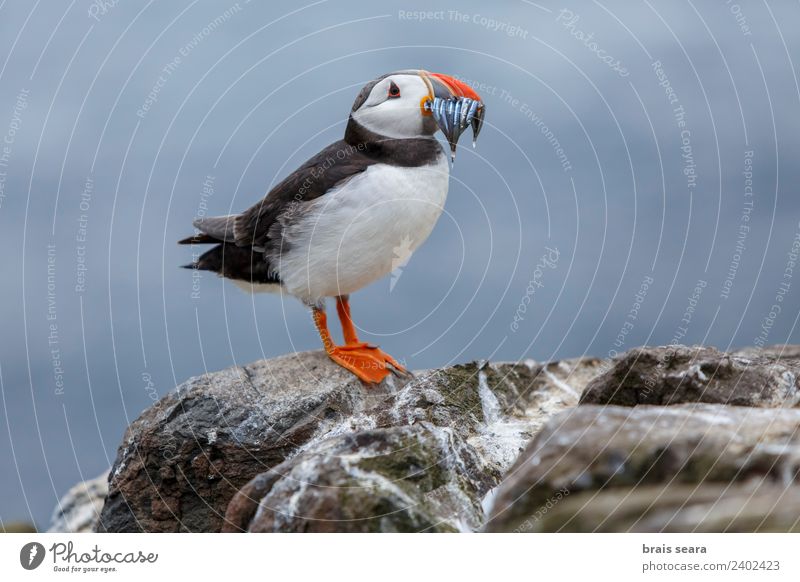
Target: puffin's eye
394, 91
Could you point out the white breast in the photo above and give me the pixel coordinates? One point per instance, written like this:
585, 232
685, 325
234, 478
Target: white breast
363, 230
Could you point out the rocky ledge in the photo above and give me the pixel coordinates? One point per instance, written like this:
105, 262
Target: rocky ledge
660, 439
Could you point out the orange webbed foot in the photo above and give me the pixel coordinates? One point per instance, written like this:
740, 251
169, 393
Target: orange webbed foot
368, 362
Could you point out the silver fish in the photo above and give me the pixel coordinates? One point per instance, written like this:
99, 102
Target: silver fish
454, 115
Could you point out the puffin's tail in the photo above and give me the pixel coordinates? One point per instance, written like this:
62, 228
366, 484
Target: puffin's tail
227, 259
234, 262
211, 260
199, 239
214, 229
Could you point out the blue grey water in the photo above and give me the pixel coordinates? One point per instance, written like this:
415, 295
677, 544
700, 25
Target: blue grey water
635, 183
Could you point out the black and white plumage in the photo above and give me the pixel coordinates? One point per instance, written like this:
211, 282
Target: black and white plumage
334, 224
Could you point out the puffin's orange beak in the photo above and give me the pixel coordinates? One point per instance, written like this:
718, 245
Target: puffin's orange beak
457, 88
455, 106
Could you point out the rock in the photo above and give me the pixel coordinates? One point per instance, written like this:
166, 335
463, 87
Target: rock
79, 510
288, 430
679, 374
594, 452
398, 479
664, 439
674, 508
183, 459
439, 446
787, 352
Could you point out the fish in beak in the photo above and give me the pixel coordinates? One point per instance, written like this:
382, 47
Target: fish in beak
455, 106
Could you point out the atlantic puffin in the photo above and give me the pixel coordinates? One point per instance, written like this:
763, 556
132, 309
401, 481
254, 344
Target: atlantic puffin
334, 225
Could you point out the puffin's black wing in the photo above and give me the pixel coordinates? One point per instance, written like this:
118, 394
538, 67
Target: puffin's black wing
336, 163
242, 240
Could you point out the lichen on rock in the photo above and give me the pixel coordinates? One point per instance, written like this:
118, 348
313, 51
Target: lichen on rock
659, 439
298, 430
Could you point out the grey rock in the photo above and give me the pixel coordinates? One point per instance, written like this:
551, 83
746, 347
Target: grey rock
680, 374
279, 430
787, 352
79, 510
398, 479
759, 506
595, 450
685, 439
439, 447
183, 459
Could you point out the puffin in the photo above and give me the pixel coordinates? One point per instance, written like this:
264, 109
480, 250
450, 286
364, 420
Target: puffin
335, 224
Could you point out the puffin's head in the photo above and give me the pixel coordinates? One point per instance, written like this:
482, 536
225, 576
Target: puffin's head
415, 103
